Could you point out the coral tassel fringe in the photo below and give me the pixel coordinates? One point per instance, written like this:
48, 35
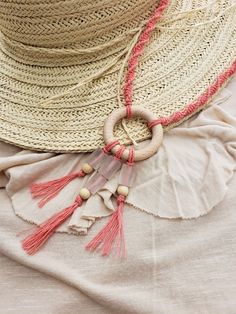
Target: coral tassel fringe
33, 242
112, 233
48, 190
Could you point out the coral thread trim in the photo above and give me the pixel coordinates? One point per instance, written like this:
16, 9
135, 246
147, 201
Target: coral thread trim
200, 102
137, 53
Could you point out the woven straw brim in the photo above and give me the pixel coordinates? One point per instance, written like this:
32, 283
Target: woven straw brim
182, 60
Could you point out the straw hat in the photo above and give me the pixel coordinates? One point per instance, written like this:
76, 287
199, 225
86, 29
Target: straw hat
62, 65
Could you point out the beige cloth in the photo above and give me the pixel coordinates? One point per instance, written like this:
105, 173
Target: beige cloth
173, 265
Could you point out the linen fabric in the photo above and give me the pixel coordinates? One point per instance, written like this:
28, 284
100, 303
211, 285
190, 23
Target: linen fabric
173, 265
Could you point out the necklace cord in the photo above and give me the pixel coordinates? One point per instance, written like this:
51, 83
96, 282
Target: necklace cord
137, 52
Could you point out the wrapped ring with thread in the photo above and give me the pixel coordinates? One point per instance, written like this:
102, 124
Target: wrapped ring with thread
140, 154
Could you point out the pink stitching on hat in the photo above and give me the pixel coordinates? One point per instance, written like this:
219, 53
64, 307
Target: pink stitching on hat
200, 102
137, 52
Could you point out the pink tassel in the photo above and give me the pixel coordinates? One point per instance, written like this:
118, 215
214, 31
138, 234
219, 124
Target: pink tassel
32, 243
112, 232
48, 190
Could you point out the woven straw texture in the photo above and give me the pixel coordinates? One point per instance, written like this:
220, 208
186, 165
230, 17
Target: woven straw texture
62, 66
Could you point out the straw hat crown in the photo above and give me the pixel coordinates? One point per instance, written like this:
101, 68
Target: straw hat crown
62, 66
74, 27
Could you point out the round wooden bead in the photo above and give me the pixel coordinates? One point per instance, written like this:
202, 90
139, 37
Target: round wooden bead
84, 193
87, 168
123, 190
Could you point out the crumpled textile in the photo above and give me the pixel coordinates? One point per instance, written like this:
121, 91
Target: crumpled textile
177, 266
173, 266
186, 178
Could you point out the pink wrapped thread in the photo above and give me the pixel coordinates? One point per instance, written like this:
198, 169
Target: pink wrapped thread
201, 101
137, 52
107, 148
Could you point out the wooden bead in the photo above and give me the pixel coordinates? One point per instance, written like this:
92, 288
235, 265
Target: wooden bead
87, 168
123, 190
84, 193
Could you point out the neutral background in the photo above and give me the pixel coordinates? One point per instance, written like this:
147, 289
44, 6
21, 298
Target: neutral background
173, 265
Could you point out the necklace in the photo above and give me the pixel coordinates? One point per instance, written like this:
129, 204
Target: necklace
103, 163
